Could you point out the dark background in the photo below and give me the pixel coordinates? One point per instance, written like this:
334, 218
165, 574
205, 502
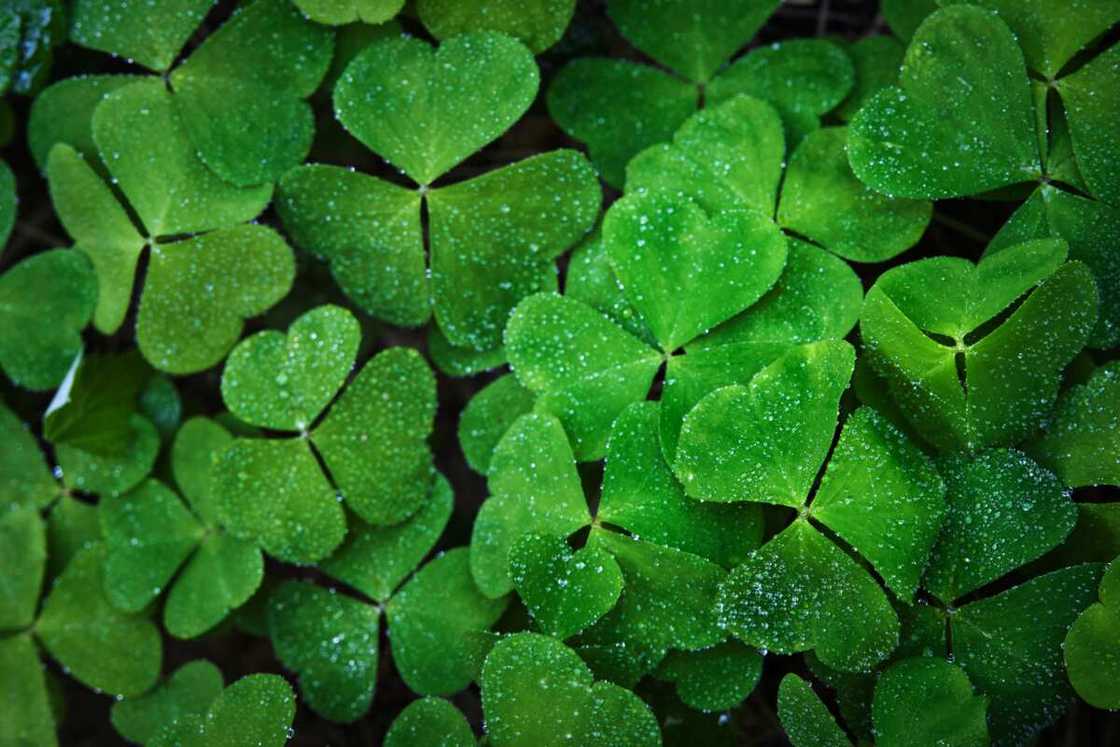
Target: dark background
960, 227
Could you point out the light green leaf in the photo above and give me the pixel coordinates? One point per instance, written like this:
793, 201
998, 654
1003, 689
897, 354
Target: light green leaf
194, 455
220, 576
805, 718
25, 479
928, 702
583, 368
430, 722
71, 525
199, 290
714, 679
766, 441
665, 249
257, 709
538, 23
111, 475
426, 110
434, 625
1092, 646
151, 35
63, 113
1090, 96
876, 61
339, 12
45, 302
591, 279
1004, 511
100, 399
283, 382
1081, 441
374, 560
190, 690
25, 709
961, 121
457, 362
618, 108
565, 591
374, 439
99, 646
331, 640
23, 553
488, 416
274, 493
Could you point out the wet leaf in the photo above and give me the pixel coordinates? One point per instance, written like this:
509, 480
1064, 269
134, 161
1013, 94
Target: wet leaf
538, 23
189, 690
928, 702
430, 722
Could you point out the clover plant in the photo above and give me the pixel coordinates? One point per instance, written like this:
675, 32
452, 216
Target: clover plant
545, 372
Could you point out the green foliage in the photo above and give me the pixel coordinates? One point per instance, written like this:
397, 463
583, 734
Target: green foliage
1092, 648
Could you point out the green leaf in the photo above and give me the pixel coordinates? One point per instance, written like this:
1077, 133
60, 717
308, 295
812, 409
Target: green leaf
876, 61
800, 591
1092, 646
493, 239
766, 441
274, 493
368, 230
194, 455
714, 679
1082, 438
63, 113
339, 12
160, 402
905, 16
961, 121
538, 23
583, 368
257, 709
457, 362
1090, 99
190, 690
283, 382
928, 702
618, 108
220, 576
820, 185
565, 591
882, 495
8, 201
209, 283
151, 35
45, 302
25, 479
591, 279
1004, 511
148, 533
534, 487
374, 440
805, 718
488, 416
71, 526
374, 560
25, 707
664, 249
426, 110
108, 650
240, 94
536, 691
331, 640
641, 495
23, 552
94, 411
105, 476
434, 625
692, 38
430, 722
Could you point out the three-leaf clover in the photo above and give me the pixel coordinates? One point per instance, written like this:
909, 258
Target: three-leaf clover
372, 440
490, 240
619, 107
257, 709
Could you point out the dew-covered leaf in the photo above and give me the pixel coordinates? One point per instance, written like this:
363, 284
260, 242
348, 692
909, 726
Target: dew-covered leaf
767, 440
374, 440
257, 709
339, 12
435, 622
876, 61
99, 646
564, 590
23, 554
1004, 511
1090, 97
1081, 441
960, 123
583, 368
148, 534
71, 525
25, 709
425, 110
374, 560
641, 495
199, 291
1092, 646
143, 32
591, 279
714, 679
800, 591
430, 722
111, 475
283, 381
191, 689
331, 641
488, 416
456, 361
25, 479
806, 720
220, 576
928, 702
93, 411
272, 491
664, 249
537, 23
45, 302
63, 113
618, 108
194, 454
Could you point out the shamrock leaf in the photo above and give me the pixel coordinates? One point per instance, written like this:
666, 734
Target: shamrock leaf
63, 113
537, 691
257, 709
876, 61
23, 548
1082, 439
92, 410
928, 701
905, 16
538, 24
1092, 649
36, 349
805, 718
458, 362
339, 12
26, 706
153, 37
112, 474
980, 365
488, 416
430, 722
189, 690
713, 679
